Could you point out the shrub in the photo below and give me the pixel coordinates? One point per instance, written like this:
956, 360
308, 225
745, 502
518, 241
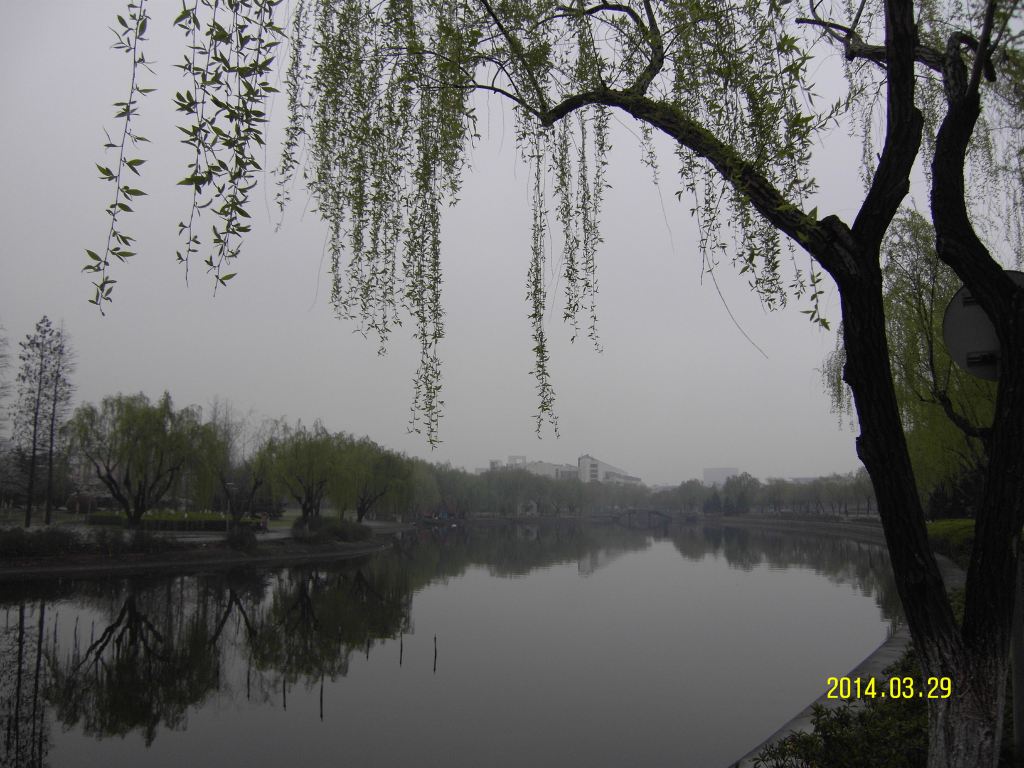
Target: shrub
877, 733
957, 496
109, 541
319, 530
347, 530
147, 543
873, 733
241, 538
303, 528
106, 518
47, 542
953, 538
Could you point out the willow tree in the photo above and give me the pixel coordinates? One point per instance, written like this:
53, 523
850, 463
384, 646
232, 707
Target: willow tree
381, 100
945, 410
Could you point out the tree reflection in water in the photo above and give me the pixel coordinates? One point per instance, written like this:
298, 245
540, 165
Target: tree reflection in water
159, 646
25, 722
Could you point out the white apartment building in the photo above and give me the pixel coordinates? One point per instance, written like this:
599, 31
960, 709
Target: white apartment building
592, 470
543, 468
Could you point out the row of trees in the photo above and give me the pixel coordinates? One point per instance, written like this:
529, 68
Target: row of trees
147, 454
833, 495
43, 390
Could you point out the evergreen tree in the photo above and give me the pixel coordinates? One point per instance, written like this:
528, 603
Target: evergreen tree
44, 393
59, 391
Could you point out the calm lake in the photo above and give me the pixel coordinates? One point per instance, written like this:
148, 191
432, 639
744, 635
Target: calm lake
552, 644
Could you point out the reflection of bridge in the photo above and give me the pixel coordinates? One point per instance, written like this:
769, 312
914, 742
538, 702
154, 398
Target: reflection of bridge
642, 518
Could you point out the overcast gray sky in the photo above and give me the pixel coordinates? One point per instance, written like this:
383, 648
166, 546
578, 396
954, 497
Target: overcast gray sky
676, 389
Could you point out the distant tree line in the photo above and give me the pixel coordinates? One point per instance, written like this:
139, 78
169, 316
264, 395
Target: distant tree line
136, 455
832, 495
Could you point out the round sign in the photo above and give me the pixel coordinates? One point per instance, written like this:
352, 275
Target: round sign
969, 335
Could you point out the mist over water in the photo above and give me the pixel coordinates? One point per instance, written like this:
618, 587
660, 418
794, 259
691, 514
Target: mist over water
504, 645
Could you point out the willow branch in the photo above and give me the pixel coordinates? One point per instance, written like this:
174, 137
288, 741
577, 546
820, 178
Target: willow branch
826, 240
516, 49
614, 7
854, 46
657, 61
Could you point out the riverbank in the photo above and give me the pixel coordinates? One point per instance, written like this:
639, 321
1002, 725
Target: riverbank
888, 653
868, 530
191, 557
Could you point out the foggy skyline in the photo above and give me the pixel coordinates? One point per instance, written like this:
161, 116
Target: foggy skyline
676, 389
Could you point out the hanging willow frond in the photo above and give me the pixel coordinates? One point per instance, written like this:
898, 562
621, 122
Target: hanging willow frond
381, 111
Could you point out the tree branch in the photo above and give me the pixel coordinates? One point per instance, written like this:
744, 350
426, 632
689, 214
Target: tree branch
615, 7
904, 123
826, 240
960, 421
983, 49
516, 48
854, 46
657, 61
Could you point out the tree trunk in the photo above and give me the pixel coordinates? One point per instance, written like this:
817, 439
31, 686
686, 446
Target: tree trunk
57, 376
965, 730
992, 573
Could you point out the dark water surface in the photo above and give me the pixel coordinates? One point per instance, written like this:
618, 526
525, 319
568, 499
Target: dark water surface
556, 645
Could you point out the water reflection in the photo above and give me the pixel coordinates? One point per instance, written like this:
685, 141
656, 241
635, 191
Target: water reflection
141, 655
841, 560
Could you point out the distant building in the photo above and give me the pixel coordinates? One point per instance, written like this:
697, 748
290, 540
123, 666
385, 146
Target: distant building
591, 470
542, 468
547, 469
716, 476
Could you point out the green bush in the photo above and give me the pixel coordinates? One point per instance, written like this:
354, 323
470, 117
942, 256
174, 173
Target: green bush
106, 518
320, 530
109, 541
953, 538
163, 520
347, 530
146, 543
889, 733
48, 542
242, 538
873, 733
